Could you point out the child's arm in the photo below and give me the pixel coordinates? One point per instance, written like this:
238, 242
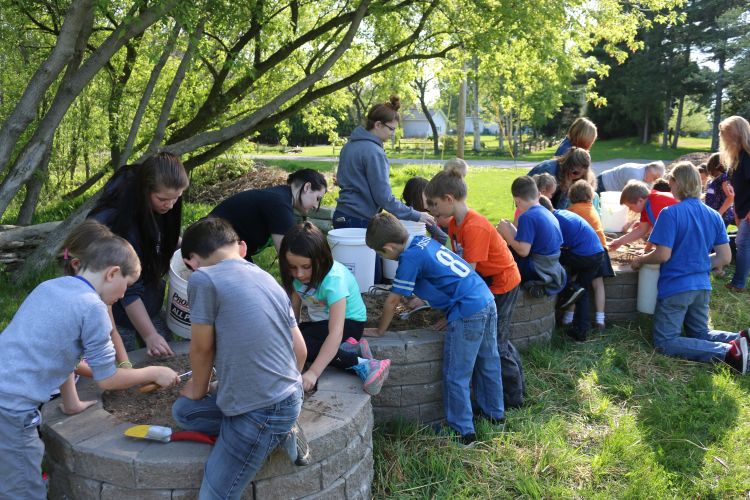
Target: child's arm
296, 305
71, 404
156, 345
336, 318
721, 257
729, 193
121, 355
202, 352
508, 232
300, 349
126, 378
389, 309
638, 232
659, 255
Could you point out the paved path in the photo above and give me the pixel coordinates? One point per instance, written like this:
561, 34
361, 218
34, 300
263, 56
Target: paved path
599, 166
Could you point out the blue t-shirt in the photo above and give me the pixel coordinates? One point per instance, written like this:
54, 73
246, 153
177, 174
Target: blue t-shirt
578, 235
338, 284
691, 230
540, 228
439, 276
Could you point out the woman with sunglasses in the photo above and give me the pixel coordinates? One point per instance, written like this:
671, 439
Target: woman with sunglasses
574, 165
261, 217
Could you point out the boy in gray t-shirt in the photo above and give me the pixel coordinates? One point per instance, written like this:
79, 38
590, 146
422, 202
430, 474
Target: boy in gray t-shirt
242, 322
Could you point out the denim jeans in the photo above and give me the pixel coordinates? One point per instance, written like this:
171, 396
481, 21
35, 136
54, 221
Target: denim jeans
511, 368
244, 442
21, 453
341, 221
689, 310
742, 261
470, 358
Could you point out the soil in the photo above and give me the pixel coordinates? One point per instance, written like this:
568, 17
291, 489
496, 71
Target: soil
154, 408
226, 184
420, 319
694, 158
626, 253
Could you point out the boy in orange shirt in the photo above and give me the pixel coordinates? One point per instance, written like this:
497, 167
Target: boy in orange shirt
581, 196
476, 240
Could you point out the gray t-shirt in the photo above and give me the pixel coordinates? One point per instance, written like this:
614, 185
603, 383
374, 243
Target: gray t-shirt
616, 178
252, 319
61, 320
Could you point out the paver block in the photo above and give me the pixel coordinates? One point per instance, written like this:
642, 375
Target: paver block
187, 494
336, 491
389, 346
359, 478
389, 396
520, 314
390, 414
84, 489
336, 380
422, 393
415, 373
423, 345
334, 467
299, 484
164, 465
61, 435
112, 492
431, 412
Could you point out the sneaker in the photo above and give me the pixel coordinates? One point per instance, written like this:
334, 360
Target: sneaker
733, 288
600, 326
536, 291
746, 335
569, 296
492, 420
361, 348
373, 373
296, 447
576, 334
738, 361
445, 431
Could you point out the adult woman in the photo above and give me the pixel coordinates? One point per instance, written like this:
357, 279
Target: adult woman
261, 217
363, 172
735, 154
719, 192
142, 203
581, 134
575, 164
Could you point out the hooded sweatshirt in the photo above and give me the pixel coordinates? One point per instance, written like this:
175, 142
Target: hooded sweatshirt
363, 176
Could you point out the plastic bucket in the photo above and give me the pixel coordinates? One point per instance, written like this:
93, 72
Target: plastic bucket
614, 217
648, 278
178, 317
610, 197
348, 247
414, 229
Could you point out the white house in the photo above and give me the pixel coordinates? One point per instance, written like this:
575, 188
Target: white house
415, 124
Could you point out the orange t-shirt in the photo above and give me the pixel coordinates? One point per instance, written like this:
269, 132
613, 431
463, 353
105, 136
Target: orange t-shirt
478, 242
586, 210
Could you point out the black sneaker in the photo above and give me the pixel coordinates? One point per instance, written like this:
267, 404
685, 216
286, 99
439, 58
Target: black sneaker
569, 296
469, 439
492, 420
576, 334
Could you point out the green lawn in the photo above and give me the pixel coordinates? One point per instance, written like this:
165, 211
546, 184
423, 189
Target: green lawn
602, 150
608, 418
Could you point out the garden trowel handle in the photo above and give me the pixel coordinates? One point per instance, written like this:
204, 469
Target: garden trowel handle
150, 387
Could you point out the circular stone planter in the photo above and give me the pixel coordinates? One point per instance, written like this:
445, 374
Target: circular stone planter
89, 458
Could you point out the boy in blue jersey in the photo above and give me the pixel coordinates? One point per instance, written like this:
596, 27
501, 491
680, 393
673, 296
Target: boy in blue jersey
536, 243
581, 254
683, 238
448, 283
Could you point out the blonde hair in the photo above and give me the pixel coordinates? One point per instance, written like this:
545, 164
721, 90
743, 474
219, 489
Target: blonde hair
580, 191
730, 148
457, 165
448, 182
687, 180
633, 191
97, 248
582, 133
384, 228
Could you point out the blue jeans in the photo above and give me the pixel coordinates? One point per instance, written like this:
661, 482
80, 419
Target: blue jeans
470, 357
689, 309
511, 367
21, 453
742, 261
341, 221
244, 442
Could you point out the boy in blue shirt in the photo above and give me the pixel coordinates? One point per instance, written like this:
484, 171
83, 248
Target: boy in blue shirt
447, 282
684, 236
536, 243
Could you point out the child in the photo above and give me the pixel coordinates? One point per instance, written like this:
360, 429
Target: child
330, 292
476, 241
637, 196
546, 184
735, 155
413, 197
61, 320
581, 196
431, 271
581, 254
683, 238
76, 244
719, 192
536, 243
703, 172
242, 323
662, 185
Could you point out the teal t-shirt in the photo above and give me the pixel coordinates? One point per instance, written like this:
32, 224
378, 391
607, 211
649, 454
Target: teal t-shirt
339, 283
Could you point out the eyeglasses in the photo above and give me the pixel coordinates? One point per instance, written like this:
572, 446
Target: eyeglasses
392, 129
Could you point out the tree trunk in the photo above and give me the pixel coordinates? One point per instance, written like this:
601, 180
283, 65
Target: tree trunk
421, 87
33, 190
461, 117
717, 102
475, 106
678, 122
77, 20
666, 118
115, 101
646, 132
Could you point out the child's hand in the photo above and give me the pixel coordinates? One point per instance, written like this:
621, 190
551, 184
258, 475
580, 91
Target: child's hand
75, 407
614, 245
164, 376
156, 346
426, 218
309, 379
372, 332
636, 264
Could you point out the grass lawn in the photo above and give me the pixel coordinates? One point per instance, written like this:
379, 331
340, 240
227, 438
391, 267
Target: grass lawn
602, 150
605, 418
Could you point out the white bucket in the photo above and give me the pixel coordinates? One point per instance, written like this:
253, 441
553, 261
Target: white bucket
178, 317
614, 217
648, 278
610, 197
348, 247
414, 229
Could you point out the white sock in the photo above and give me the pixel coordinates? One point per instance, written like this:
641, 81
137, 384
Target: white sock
600, 317
567, 317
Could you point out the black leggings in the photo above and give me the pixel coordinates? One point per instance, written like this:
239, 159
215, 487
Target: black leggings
316, 332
